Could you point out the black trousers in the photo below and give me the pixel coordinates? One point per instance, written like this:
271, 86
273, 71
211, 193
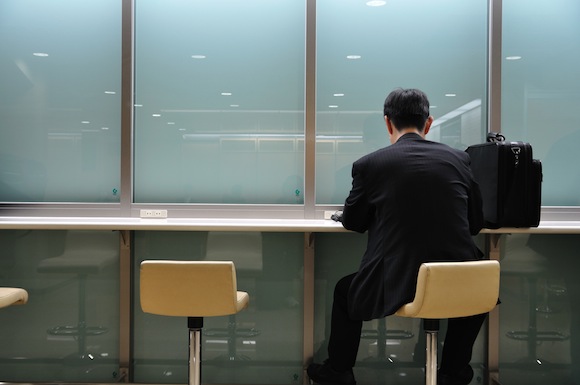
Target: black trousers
345, 335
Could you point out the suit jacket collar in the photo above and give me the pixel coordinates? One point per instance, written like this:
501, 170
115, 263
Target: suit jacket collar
410, 136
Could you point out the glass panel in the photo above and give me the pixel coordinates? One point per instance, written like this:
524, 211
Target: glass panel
541, 90
392, 350
60, 100
219, 113
540, 313
364, 52
267, 345
69, 329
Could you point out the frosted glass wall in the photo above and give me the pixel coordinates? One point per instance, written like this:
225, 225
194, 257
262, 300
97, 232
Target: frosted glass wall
60, 109
365, 51
541, 90
219, 101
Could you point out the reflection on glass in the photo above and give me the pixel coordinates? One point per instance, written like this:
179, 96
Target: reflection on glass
541, 90
69, 329
219, 113
540, 316
60, 100
364, 52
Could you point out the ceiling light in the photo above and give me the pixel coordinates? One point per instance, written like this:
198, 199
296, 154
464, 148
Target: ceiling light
110, 92
333, 106
226, 94
138, 105
338, 95
40, 54
234, 105
85, 122
104, 128
376, 3
171, 123
198, 56
450, 95
156, 115
513, 57
353, 57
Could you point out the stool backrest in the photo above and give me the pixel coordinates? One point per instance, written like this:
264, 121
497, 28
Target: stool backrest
454, 289
189, 288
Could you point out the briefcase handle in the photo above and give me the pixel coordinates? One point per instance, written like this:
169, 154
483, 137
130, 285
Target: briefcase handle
495, 137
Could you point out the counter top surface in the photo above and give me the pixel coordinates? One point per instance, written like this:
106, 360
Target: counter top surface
228, 224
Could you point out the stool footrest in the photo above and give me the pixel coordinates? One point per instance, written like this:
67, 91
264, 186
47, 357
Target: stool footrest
389, 334
538, 336
76, 331
227, 333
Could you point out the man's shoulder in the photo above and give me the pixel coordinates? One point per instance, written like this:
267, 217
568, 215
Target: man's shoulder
447, 149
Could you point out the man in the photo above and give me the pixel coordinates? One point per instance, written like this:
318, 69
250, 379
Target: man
419, 202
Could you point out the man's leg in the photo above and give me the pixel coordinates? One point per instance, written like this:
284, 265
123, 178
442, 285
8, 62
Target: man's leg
344, 332
343, 342
457, 349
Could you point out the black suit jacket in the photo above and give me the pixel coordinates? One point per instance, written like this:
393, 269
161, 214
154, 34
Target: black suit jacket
419, 202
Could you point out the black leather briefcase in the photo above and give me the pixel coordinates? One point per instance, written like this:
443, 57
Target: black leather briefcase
510, 181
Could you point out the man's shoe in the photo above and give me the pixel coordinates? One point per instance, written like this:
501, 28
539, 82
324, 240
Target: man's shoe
462, 377
324, 374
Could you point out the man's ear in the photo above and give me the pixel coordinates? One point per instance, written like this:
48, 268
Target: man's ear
389, 125
428, 125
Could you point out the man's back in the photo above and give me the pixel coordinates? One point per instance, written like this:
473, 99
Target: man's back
419, 202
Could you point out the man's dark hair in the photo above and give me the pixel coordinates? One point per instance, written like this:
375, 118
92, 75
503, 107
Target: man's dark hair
407, 108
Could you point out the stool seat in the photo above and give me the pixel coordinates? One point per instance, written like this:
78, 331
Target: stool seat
12, 296
451, 290
190, 288
454, 289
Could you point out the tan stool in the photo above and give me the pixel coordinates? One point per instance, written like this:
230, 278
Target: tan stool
451, 290
192, 289
12, 296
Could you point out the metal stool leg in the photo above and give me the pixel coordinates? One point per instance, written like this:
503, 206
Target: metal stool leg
431, 327
195, 324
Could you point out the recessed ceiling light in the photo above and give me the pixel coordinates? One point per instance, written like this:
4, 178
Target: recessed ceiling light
156, 115
40, 54
513, 57
333, 106
376, 3
226, 94
104, 128
171, 123
450, 95
110, 92
138, 105
432, 106
234, 105
198, 56
181, 129
85, 122
338, 95
353, 57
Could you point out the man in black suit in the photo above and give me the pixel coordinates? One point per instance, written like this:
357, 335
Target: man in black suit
419, 202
